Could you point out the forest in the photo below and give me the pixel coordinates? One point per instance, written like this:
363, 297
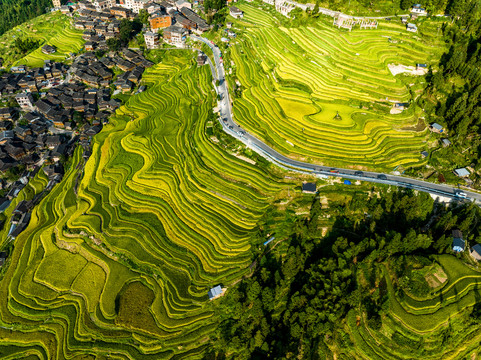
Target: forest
16, 12
453, 95
294, 302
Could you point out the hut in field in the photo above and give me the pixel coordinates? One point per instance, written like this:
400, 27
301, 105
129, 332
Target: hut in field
309, 188
458, 241
215, 292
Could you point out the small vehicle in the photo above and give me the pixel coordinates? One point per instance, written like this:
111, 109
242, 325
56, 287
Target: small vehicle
231, 127
358, 173
242, 132
382, 177
461, 194
334, 171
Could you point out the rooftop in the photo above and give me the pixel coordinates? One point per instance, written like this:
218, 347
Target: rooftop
462, 172
214, 292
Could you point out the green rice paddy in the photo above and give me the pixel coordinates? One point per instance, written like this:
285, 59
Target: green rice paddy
438, 326
162, 213
323, 95
50, 29
119, 266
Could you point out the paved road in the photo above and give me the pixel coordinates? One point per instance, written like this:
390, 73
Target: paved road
266, 151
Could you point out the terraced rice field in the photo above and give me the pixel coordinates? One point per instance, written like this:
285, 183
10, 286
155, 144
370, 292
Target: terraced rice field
321, 94
121, 265
52, 29
435, 327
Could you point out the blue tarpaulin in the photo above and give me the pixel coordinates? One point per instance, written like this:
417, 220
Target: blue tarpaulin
347, 182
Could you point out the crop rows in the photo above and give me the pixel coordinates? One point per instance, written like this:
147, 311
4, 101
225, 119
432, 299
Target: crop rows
318, 93
438, 326
162, 213
52, 29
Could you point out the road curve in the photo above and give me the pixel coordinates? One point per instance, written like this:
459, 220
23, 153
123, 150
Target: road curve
230, 127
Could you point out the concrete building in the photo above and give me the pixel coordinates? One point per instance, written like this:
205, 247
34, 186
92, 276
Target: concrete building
284, 7
136, 5
182, 3
236, 12
175, 35
25, 101
418, 10
151, 40
101, 5
160, 20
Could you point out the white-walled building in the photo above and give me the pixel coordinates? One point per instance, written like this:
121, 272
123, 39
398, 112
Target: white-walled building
284, 7
151, 40
101, 5
25, 101
136, 5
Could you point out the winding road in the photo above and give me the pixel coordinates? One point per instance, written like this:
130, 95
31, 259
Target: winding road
275, 157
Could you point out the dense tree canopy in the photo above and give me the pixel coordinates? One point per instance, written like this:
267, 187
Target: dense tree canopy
294, 302
15, 12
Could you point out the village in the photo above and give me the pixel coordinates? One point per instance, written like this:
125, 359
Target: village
54, 107
46, 111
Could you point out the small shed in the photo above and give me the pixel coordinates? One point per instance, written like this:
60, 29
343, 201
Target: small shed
421, 66
411, 27
462, 172
476, 252
446, 142
424, 154
48, 49
309, 188
458, 241
215, 292
435, 127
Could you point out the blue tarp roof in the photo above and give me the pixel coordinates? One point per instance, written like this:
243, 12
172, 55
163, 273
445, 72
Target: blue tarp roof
270, 239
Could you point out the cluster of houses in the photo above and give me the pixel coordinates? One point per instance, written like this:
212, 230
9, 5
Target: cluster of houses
416, 11
463, 173
459, 246
98, 28
25, 79
176, 20
100, 20
40, 129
